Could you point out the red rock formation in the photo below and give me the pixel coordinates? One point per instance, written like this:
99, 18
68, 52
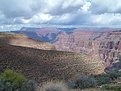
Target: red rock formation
110, 47
105, 45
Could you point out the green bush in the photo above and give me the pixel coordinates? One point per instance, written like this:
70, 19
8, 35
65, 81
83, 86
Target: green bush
113, 87
103, 79
114, 75
107, 78
82, 82
12, 81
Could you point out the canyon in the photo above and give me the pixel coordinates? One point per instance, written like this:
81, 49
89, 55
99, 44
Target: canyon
41, 62
103, 43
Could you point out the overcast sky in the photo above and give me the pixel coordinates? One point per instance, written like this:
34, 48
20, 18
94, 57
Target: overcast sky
62, 12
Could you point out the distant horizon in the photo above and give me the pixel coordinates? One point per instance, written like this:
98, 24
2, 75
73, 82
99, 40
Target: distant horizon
59, 13
15, 27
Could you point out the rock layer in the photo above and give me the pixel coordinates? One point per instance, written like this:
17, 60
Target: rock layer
105, 45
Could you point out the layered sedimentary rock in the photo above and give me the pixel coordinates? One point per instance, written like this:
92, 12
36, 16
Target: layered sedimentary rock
110, 47
105, 45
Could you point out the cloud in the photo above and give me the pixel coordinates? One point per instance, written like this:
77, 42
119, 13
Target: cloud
105, 6
19, 8
22, 8
37, 10
73, 18
1, 16
70, 12
60, 7
37, 19
107, 19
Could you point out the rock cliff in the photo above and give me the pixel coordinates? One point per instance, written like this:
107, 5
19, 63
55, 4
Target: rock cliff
105, 45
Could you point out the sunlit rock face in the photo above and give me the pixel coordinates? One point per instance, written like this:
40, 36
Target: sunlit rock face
104, 44
107, 45
24, 41
110, 47
77, 41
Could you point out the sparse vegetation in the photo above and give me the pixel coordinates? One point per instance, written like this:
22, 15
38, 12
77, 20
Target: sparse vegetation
114, 75
12, 81
44, 65
107, 78
53, 86
111, 87
29, 85
103, 79
82, 82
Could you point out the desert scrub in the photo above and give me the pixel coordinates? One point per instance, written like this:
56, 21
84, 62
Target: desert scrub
107, 78
53, 86
12, 81
29, 85
103, 79
114, 75
111, 87
82, 82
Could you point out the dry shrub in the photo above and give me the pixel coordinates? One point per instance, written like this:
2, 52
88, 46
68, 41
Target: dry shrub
53, 86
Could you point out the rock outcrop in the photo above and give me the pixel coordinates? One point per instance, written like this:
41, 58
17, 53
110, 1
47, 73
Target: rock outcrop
24, 41
110, 47
105, 45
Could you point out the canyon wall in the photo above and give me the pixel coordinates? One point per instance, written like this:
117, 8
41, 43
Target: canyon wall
104, 44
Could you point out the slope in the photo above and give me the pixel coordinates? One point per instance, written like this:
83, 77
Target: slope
22, 40
42, 65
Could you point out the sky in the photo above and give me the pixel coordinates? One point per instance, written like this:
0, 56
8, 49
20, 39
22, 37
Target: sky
60, 12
